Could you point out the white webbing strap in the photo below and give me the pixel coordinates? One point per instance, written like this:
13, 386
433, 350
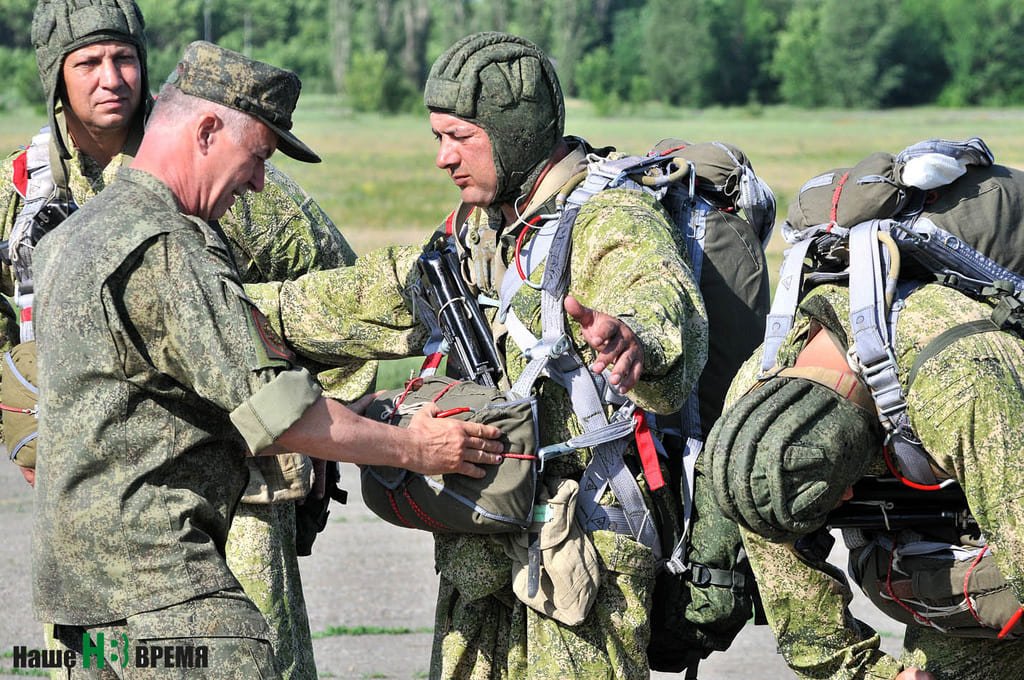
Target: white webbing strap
554, 356
787, 296
37, 194
871, 348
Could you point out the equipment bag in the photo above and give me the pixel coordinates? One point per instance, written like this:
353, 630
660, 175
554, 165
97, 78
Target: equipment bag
19, 397
501, 501
953, 587
725, 214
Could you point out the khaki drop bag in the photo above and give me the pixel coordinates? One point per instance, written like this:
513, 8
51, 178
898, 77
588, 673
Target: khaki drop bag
499, 502
19, 395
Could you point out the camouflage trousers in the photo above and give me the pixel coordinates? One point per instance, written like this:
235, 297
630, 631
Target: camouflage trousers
482, 632
221, 636
952, 658
261, 554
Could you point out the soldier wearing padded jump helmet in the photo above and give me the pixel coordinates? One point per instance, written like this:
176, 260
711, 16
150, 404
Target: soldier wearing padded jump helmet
497, 111
92, 63
800, 449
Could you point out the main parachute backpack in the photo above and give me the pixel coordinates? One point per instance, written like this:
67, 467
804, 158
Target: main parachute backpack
725, 214
884, 228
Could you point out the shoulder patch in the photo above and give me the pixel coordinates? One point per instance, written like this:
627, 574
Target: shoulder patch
270, 346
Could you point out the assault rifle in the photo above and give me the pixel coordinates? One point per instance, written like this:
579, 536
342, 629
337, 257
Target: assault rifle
471, 349
886, 504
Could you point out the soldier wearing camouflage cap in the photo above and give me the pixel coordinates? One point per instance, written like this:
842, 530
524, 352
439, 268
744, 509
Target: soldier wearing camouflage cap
92, 64
496, 108
157, 375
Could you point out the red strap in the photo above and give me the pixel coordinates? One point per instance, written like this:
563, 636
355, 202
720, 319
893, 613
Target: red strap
672, 150
449, 223
21, 173
431, 363
26, 314
648, 451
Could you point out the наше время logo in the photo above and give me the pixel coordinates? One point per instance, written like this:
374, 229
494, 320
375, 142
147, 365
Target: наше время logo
115, 651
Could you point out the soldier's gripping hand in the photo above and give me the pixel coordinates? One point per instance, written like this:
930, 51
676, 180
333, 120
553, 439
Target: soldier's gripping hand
615, 342
447, 445
915, 674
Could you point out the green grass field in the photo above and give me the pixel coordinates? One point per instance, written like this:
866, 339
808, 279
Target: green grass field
379, 184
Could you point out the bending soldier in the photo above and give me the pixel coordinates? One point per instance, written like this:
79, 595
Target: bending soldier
795, 444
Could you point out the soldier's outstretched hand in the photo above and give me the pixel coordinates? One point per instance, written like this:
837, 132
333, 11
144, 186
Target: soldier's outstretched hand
616, 344
449, 445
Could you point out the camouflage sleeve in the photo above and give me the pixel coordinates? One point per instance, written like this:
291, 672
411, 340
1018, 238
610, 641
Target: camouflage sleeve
352, 312
281, 233
807, 609
626, 263
197, 325
967, 406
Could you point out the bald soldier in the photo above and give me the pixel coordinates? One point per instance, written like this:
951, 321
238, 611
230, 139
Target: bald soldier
496, 109
158, 377
92, 63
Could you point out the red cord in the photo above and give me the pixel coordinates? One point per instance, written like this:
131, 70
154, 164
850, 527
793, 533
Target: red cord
519, 246
888, 589
1011, 623
834, 213
898, 475
967, 580
11, 409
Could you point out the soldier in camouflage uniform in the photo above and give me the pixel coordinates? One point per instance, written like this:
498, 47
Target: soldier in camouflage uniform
966, 404
275, 235
157, 374
498, 114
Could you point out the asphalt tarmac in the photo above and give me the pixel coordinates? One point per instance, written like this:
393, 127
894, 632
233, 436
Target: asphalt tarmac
369, 590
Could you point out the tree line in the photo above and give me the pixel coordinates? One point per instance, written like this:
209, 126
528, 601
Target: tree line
614, 53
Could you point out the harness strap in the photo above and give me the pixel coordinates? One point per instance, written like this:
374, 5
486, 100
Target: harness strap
947, 338
787, 296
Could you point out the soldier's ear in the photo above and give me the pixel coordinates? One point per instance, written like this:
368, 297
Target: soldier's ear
206, 128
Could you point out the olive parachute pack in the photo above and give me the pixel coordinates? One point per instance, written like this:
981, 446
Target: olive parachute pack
937, 212
725, 214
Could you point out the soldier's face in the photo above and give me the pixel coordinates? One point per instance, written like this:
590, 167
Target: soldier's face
103, 85
237, 165
464, 152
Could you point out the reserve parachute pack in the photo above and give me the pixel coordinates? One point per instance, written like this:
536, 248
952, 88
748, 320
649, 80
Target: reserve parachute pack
46, 205
725, 215
937, 212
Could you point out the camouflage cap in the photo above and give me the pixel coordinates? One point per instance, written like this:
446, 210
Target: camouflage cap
263, 91
506, 85
59, 27
783, 455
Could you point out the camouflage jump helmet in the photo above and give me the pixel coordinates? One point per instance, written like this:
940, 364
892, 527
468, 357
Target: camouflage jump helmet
59, 27
783, 455
506, 85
